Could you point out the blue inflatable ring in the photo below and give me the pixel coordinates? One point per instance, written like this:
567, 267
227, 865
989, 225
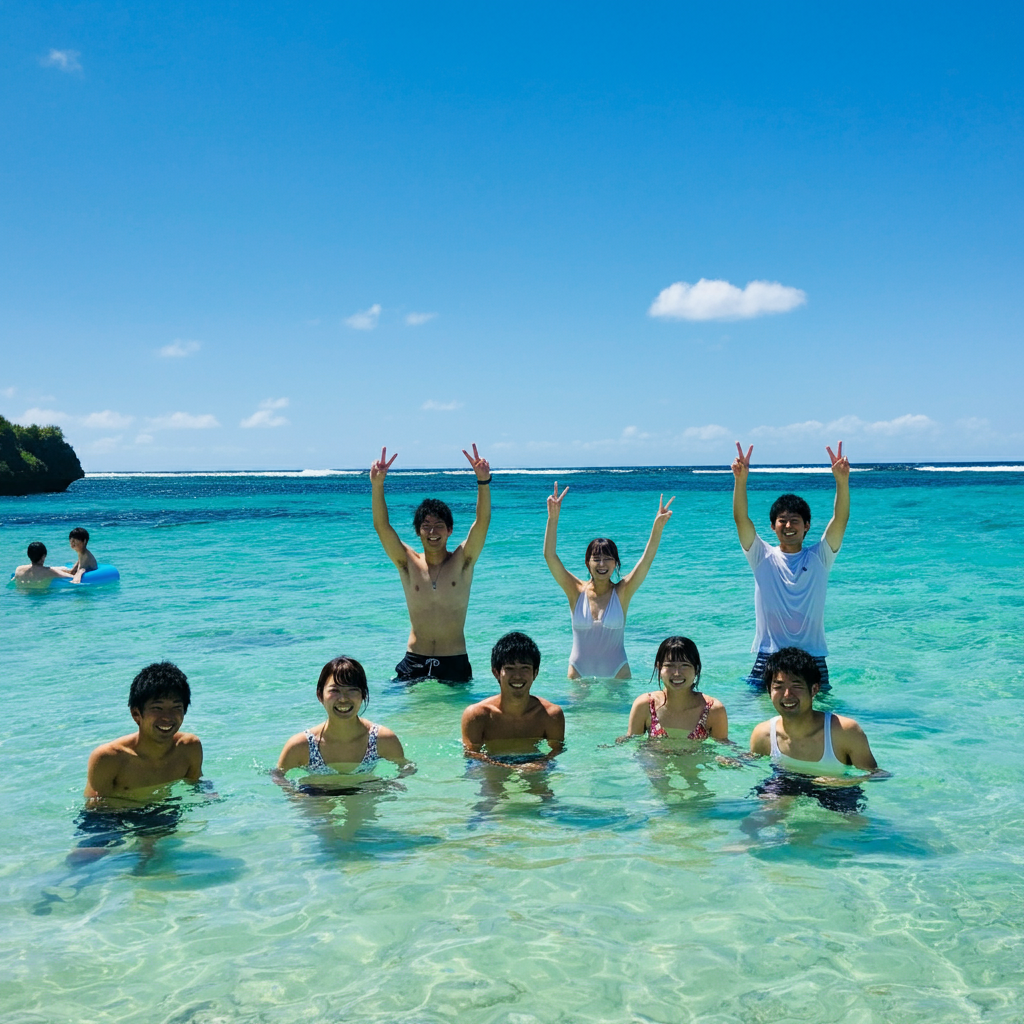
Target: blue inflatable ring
101, 574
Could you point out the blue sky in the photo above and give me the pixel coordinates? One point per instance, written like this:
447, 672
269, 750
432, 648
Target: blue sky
255, 235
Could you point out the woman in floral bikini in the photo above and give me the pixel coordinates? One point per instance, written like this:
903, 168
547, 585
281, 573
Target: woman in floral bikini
678, 710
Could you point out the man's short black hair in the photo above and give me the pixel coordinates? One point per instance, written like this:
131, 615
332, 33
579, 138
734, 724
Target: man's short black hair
513, 648
794, 661
36, 552
791, 503
79, 533
158, 681
432, 507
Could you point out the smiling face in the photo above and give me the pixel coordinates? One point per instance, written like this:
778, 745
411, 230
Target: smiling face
516, 678
791, 695
341, 700
677, 674
434, 533
160, 719
790, 528
601, 564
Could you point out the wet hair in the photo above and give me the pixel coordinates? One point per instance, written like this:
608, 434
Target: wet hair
36, 551
792, 503
158, 681
512, 648
79, 533
345, 672
432, 507
602, 546
794, 661
677, 648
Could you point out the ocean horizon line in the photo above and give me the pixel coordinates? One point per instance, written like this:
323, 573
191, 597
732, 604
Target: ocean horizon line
933, 466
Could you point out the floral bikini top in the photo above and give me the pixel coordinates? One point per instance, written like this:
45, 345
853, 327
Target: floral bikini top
700, 731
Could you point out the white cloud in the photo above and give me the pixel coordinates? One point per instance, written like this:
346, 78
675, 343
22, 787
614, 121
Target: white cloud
431, 406
265, 416
183, 421
849, 426
63, 60
366, 320
792, 430
8, 392
415, 319
719, 300
634, 434
144, 439
712, 432
107, 420
179, 349
45, 418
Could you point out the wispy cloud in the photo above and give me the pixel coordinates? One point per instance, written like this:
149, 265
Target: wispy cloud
415, 319
107, 420
144, 439
62, 60
9, 392
103, 445
179, 349
431, 406
182, 421
45, 418
849, 426
266, 416
720, 300
365, 320
712, 432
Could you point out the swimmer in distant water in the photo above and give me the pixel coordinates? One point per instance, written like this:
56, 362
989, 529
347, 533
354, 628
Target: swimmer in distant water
678, 710
505, 729
790, 580
78, 539
812, 751
598, 605
36, 574
342, 752
436, 582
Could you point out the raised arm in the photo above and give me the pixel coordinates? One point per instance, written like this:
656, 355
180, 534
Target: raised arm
841, 511
478, 531
740, 471
631, 583
570, 584
393, 546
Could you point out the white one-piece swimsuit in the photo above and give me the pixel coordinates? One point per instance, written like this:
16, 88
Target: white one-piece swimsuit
597, 647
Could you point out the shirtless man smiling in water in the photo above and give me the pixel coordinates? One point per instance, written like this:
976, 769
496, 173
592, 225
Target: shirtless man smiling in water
436, 582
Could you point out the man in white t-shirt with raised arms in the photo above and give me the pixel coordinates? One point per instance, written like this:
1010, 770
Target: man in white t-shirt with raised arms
790, 580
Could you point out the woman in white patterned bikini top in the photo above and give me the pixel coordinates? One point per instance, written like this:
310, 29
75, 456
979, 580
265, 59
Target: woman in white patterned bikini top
345, 745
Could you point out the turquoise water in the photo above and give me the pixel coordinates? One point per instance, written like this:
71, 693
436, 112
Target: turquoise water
634, 890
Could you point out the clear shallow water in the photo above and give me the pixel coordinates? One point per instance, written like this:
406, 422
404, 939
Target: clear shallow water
636, 893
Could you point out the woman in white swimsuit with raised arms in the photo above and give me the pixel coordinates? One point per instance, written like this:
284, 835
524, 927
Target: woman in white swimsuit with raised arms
598, 605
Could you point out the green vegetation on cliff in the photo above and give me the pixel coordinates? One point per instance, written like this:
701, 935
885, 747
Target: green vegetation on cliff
35, 459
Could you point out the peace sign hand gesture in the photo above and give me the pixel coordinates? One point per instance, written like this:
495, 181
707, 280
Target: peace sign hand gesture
741, 464
840, 463
379, 468
664, 513
480, 465
555, 502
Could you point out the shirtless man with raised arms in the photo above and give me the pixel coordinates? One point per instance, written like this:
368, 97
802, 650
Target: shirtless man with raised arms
436, 582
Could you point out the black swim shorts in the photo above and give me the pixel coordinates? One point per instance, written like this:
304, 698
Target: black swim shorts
756, 677
114, 828
841, 799
452, 668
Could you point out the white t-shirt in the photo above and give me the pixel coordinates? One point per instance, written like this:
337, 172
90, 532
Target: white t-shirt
789, 596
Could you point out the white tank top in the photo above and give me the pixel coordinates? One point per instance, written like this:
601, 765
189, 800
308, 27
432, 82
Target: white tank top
828, 765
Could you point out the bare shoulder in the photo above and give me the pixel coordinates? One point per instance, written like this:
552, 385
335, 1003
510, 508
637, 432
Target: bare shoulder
714, 702
481, 709
850, 726
188, 739
643, 700
551, 709
759, 738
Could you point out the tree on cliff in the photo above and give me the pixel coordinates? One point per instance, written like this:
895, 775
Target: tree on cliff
35, 459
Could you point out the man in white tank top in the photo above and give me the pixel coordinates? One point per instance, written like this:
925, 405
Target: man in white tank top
823, 747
